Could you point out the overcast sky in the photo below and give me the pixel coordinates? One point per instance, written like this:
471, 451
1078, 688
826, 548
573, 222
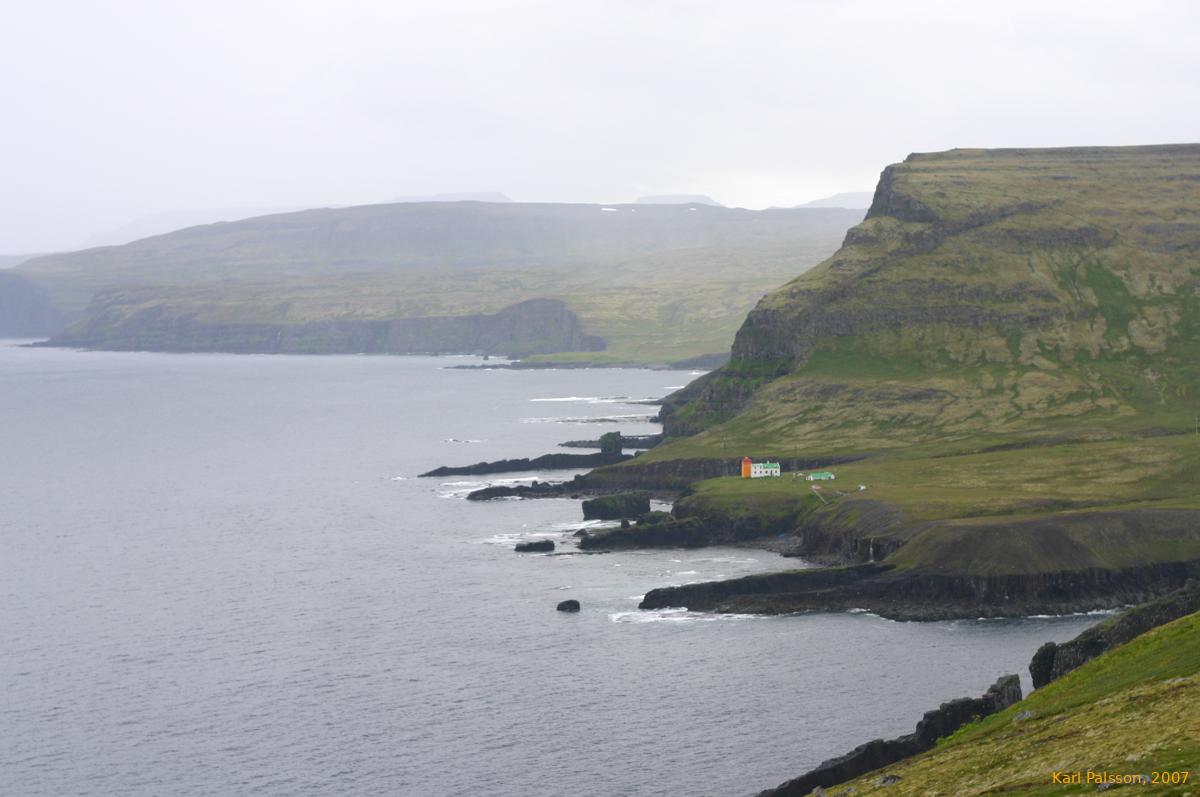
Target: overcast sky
114, 109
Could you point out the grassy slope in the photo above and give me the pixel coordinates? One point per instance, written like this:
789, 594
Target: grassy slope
659, 283
1020, 352
1134, 710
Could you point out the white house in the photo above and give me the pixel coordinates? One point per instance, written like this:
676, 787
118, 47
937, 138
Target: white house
760, 469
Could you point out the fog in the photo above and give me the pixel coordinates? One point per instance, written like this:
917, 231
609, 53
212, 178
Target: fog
116, 110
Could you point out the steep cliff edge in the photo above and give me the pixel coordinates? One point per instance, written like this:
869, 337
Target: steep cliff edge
986, 291
123, 321
25, 309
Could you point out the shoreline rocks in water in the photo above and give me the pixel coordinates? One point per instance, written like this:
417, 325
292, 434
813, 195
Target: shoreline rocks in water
639, 441
534, 546
570, 605
667, 533
922, 595
1053, 660
545, 462
936, 724
616, 507
534, 489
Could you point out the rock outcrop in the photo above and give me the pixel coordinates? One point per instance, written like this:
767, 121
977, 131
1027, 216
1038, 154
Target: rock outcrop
1053, 660
534, 546
668, 534
544, 462
923, 595
616, 507
879, 753
570, 605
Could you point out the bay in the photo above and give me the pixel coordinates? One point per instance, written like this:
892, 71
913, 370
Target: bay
221, 575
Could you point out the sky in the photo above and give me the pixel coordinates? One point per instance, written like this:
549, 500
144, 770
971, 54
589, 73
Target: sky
114, 110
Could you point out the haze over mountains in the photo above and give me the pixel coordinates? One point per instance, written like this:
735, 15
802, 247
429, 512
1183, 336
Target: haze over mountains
654, 282
847, 199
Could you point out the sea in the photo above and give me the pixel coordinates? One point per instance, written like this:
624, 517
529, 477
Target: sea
222, 575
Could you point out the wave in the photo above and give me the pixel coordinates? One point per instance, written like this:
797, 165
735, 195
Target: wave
680, 616
457, 440
635, 416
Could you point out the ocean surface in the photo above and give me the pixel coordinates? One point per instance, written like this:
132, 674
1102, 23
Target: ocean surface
220, 576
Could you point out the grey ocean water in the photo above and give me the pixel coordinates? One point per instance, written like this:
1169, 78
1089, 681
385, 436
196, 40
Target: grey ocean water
219, 576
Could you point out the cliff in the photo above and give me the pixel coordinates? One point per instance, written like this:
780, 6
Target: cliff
537, 326
936, 724
987, 290
25, 309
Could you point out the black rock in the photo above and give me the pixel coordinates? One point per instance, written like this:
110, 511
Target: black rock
879, 753
546, 462
616, 507
568, 606
536, 546
1053, 660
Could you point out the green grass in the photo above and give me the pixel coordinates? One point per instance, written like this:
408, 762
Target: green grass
1134, 710
991, 504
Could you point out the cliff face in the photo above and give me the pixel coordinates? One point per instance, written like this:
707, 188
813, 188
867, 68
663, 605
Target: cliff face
537, 326
25, 310
1016, 285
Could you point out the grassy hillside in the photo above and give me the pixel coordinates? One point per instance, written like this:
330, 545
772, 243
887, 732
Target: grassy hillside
1009, 336
1132, 711
659, 283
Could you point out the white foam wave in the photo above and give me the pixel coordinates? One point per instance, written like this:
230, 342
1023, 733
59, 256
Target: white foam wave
644, 416
679, 616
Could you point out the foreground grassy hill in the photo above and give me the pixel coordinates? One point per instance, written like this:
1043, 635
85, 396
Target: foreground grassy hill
1133, 711
1005, 354
655, 282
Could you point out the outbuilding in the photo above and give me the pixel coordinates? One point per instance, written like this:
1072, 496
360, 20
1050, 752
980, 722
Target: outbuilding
821, 476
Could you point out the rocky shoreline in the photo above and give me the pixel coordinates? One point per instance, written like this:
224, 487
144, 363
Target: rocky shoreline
936, 724
1051, 662
848, 547
544, 462
914, 595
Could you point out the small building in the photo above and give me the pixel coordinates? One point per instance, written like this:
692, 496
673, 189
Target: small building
747, 466
759, 470
821, 476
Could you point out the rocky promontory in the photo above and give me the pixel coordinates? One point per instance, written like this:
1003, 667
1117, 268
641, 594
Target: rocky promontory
936, 724
544, 462
1054, 660
902, 594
